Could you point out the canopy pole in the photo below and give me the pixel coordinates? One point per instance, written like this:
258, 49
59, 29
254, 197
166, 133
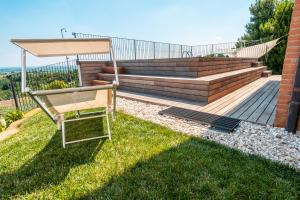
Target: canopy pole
116, 81
23, 65
112, 53
79, 73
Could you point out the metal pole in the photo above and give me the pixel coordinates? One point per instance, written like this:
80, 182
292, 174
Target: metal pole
74, 34
134, 46
79, 73
13, 89
153, 50
115, 65
23, 64
62, 30
115, 82
169, 50
181, 51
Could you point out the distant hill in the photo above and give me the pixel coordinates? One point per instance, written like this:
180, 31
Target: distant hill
9, 69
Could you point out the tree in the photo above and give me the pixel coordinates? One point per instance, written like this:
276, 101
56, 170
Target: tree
270, 19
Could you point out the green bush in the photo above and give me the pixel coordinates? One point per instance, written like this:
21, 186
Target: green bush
270, 19
13, 116
2, 123
57, 84
218, 55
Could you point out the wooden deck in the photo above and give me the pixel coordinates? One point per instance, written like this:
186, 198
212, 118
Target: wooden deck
255, 102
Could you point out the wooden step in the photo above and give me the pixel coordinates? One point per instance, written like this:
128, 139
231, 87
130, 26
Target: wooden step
207, 89
257, 64
223, 76
181, 71
100, 82
266, 73
181, 67
111, 70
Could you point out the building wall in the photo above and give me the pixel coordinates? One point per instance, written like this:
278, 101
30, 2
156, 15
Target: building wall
289, 69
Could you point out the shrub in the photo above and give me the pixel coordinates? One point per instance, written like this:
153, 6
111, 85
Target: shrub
2, 124
218, 55
5, 86
13, 116
57, 84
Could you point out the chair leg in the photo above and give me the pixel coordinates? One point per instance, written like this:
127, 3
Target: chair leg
114, 103
59, 119
107, 124
58, 125
63, 136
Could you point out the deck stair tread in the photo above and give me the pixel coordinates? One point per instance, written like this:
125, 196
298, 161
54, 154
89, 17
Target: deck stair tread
205, 79
200, 80
257, 64
207, 89
228, 74
100, 82
267, 73
235, 102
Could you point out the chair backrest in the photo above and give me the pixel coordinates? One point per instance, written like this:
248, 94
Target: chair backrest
68, 102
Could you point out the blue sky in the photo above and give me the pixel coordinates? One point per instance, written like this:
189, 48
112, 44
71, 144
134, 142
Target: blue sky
175, 21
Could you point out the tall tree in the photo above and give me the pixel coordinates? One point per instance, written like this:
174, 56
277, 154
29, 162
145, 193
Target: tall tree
270, 19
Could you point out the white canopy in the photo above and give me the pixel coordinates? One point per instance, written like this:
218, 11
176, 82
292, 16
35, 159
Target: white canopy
63, 47
256, 51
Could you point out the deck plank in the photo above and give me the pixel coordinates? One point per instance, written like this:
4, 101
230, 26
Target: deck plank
266, 115
228, 98
272, 117
261, 108
236, 98
240, 109
253, 104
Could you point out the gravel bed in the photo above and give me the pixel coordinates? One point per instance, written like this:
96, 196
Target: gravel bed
267, 141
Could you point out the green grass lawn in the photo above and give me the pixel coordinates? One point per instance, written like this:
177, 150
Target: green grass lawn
143, 161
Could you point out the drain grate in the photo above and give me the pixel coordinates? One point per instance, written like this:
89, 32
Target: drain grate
219, 122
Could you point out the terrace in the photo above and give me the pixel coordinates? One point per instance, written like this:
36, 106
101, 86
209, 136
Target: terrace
150, 154
233, 87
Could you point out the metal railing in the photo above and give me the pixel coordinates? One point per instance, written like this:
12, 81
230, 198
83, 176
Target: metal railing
59, 75
132, 49
66, 73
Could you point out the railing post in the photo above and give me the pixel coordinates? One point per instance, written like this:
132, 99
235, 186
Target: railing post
181, 51
77, 57
13, 89
134, 47
169, 50
153, 50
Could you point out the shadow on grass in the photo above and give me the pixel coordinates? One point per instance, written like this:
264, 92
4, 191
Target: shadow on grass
52, 164
197, 169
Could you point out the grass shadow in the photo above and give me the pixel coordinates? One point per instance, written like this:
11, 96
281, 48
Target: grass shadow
198, 169
51, 165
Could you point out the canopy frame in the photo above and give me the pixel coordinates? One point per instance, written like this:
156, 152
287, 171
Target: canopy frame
20, 43
35, 95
